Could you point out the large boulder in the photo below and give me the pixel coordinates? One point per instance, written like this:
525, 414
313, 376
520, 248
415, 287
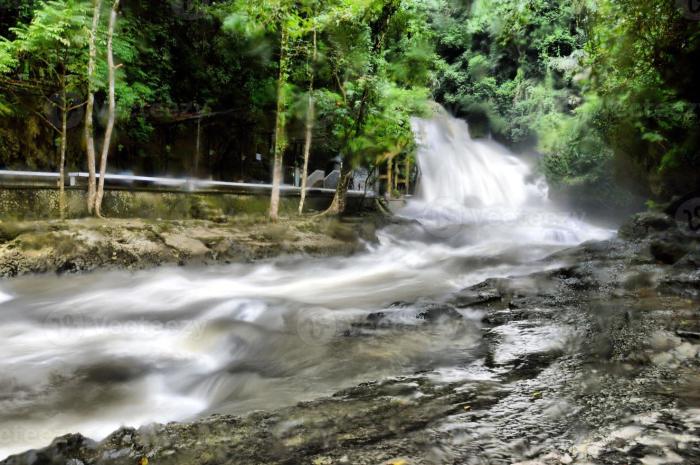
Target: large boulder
669, 249
642, 225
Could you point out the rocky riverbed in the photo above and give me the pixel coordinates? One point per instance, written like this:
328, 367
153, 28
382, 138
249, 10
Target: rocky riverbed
595, 360
90, 244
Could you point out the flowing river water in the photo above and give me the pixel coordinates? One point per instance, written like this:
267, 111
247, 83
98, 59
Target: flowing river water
91, 353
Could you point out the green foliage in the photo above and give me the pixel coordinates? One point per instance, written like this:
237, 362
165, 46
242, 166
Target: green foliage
380, 62
521, 72
644, 60
40, 63
578, 159
49, 45
597, 86
506, 63
376, 60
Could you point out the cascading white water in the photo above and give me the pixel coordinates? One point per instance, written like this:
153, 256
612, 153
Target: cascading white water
91, 353
478, 183
466, 172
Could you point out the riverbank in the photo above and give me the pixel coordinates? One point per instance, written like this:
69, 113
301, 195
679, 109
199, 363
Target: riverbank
84, 245
594, 360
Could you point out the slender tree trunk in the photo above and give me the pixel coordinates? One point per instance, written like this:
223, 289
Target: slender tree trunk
280, 124
340, 198
89, 131
112, 109
310, 116
62, 167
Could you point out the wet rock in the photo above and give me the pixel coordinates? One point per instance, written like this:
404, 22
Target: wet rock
669, 249
501, 317
529, 365
375, 317
662, 340
438, 313
641, 225
690, 260
185, 245
639, 280
343, 232
630, 348
488, 293
477, 300
77, 246
612, 249
63, 450
688, 334
681, 283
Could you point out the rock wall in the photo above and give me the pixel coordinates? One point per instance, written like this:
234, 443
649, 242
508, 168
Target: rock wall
33, 203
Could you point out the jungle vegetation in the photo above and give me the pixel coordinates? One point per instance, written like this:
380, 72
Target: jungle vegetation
604, 90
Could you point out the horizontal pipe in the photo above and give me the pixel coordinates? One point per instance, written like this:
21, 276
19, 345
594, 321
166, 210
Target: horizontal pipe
188, 184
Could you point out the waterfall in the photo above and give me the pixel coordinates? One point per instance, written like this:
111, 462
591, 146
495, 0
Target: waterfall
458, 169
479, 182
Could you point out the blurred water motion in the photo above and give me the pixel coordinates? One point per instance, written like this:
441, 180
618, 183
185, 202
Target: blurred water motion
91, 353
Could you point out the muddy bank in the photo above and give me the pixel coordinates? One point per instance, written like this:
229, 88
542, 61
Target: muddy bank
89, 244
594, 360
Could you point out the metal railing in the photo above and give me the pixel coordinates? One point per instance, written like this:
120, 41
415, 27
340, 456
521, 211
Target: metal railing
76, 179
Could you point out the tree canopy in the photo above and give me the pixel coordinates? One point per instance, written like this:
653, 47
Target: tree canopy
602, 89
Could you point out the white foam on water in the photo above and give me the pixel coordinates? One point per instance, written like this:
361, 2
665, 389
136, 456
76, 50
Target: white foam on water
5, 297
481, 184
172, 344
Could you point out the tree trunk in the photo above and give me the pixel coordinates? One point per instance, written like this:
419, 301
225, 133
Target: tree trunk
62, 167
280, 123
89, 131
379, 31
338, 205
112, 109
310, 116
340, 198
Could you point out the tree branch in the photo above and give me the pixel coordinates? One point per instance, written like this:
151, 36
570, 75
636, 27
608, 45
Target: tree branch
46, 120
75, 107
